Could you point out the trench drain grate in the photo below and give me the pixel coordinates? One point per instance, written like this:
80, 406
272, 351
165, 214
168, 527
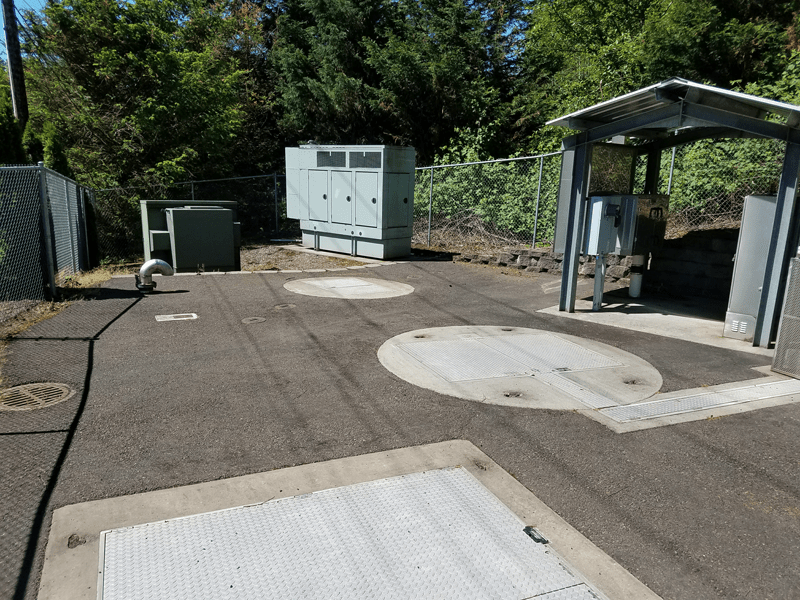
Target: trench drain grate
32, 396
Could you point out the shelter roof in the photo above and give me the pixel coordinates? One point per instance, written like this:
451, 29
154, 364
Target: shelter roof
679, 105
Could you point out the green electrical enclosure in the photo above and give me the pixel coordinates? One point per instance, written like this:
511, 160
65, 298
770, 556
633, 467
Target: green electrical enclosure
192, 235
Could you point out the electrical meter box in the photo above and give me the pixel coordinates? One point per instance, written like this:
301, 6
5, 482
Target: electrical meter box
353, 199
624, 225
192, 235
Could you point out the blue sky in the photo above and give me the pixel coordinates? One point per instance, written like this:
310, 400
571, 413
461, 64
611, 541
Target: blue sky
21, 6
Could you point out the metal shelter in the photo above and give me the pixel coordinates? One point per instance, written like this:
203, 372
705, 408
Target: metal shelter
668, 114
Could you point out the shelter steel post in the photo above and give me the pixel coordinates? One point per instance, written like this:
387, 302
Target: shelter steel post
538, 196
275, 196
779, 252
653, 170
430, 209
575, 170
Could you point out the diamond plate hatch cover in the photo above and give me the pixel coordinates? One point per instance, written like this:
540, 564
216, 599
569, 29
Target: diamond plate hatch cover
437, 534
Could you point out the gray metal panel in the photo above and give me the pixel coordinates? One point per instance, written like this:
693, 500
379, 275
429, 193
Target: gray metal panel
750, 262
787, 350
398, 201
201, 236
318, 195
366, 199
437, 534
342, 197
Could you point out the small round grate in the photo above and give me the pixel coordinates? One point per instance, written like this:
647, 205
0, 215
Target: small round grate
34, 395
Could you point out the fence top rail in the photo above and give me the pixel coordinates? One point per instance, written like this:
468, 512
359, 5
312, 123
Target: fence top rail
40, 167
488, 162
138, 187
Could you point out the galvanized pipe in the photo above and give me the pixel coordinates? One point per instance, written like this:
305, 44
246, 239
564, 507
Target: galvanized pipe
144, 279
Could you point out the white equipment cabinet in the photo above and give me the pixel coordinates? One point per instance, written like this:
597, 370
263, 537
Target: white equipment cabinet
353, 199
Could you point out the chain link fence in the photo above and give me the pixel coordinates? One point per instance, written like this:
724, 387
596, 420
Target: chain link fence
261, 210
707, 181
494, 205
485, 206
43, 235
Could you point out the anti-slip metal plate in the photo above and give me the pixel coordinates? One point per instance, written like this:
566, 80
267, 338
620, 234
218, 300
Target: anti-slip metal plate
697, 402
437, 534
515, 366
348, 287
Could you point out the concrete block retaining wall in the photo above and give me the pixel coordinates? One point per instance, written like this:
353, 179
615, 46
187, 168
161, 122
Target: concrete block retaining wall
697, 264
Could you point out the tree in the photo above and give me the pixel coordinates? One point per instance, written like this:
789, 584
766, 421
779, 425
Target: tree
142, 92
11, 151
370, 71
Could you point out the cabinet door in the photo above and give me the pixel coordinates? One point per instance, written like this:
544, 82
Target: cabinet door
366, 199
400, 203
341, 197
318, 195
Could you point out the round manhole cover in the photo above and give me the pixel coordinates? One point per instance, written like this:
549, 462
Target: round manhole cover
359, 288
34, 395
516, 366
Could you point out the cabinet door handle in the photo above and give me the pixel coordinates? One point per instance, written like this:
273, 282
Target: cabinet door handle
324, 196
348, 198
374, 200
405, 200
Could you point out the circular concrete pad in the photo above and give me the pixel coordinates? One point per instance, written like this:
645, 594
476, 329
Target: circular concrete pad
515, 366
359, 288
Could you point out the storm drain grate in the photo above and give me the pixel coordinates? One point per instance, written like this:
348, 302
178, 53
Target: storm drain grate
34, 395
696, 402
436, 534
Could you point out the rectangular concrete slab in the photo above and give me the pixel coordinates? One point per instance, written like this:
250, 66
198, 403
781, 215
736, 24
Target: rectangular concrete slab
71, 560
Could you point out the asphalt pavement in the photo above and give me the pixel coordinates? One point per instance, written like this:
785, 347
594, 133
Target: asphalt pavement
707, 509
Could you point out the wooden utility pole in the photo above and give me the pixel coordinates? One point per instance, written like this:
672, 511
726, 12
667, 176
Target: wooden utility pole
19, 98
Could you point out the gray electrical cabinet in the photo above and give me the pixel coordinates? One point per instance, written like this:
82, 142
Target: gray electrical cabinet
353, 199
749, 266
192, 235
624, 225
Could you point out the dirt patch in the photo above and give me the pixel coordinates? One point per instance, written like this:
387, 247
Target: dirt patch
268, 258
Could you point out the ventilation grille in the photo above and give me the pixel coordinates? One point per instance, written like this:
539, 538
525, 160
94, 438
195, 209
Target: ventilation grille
787, 350
331, 159
365, 160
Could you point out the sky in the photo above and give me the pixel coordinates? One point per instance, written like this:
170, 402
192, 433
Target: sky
21, 6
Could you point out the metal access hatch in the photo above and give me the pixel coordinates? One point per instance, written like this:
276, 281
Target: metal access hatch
435, 534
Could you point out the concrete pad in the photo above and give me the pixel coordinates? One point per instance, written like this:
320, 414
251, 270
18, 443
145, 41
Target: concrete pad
516, 366
358, 288
363, 259
72, 555
658, 318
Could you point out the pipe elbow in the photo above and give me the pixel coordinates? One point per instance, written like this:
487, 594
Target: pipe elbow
144, 279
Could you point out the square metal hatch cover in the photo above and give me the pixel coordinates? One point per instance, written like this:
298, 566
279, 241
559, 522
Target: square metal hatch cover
436, 534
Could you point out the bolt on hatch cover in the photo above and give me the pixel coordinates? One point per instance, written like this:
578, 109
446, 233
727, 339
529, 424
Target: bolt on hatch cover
522, 367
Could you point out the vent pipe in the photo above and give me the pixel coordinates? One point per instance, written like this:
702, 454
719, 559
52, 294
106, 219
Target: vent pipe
144, 280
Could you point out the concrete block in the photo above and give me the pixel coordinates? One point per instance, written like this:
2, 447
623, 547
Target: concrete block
535, 269
617, 271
